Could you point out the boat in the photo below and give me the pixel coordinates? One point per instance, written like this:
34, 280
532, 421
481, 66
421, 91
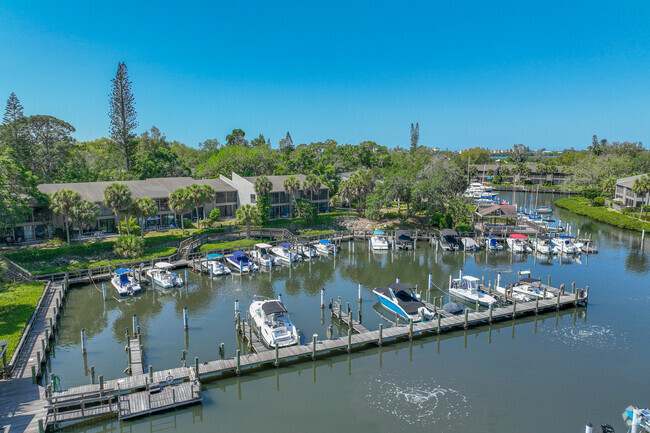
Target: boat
449, 240
403, 240
507, 291
518, 243
531, 287
469, 244
378, 241
401, 299
543, 210
543, 245
325, 246
303, 248
586, 246
284, 254
271, 320
564, 244
241, 262
213, 263
642, 418
125, 283
466, 287
162, 276
262, 255
492, 243
453, 308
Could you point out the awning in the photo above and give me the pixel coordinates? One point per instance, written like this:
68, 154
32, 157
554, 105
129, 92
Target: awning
123, 271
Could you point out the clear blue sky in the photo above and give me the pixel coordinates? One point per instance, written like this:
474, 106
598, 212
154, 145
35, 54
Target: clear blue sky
546, 74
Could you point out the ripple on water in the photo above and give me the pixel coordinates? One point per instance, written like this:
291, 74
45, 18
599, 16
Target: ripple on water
588, 335
420, 402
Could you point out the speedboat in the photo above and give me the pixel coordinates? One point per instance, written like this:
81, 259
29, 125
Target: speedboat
271, 320
586, 246
492, 243
469, 244
125, 283
378, 241
543, 210
518, 243
507, 291
403, 240
543, 245
564, 244
214, 263
241, 262
401, 299
162, 276
325, 246
262, 255
466, 287
284, 254
303, 248
532, 288
449, 240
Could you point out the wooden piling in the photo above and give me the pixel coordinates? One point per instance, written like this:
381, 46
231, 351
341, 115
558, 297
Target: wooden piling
381, 331
439, 318
277, 356
536, 305
313, 346
196, 368
349, 339
490, 313
92, 374
410, 329
101, 382
83, 341
222, 351
185, 319
238, 371
466, 317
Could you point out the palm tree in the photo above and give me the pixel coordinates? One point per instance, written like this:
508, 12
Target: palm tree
118, 197
291, 186
179, 202
640, 186
83, 214
198, 195
144, 208
263, 185
312, 185
247, 215
62, 203
608, 185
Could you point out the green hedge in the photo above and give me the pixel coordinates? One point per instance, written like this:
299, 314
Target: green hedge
17, 303
230, 244
580, 205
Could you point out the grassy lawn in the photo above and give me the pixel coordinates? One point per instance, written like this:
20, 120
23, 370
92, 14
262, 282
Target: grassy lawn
322, 221
17, 303
230, 244
580, 205
317, 232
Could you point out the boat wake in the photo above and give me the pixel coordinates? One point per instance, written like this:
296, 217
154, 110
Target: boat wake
589, 335
418, 402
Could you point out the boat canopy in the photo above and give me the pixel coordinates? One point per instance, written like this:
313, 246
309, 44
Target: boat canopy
448, 232
123, 271
273, 307
286, 244
214, 256
239, 253
164, 265
518, 236
529, 280
325, 241
264, 245
469, 278
565, 237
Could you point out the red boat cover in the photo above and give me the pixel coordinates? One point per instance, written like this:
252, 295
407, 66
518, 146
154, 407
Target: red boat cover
518, 236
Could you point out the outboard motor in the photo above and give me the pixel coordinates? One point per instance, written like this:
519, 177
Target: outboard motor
607, 428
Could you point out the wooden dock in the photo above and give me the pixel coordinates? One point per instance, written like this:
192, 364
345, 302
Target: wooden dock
347, 319
251, 338
136, 363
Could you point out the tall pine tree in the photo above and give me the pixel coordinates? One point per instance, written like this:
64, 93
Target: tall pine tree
14, 125
415, 136
122, 114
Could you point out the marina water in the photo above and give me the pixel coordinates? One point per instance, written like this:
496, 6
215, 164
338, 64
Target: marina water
555, 372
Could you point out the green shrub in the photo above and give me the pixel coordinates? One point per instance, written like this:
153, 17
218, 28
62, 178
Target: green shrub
463, 228
580, 205
134, 228
599, 201
129, 246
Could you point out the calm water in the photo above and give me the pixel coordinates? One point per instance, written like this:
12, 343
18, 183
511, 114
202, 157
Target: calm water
553, 373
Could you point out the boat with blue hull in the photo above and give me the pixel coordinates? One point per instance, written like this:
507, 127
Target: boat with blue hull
241, 262
402, 300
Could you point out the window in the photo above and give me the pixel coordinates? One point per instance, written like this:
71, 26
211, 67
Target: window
252, 198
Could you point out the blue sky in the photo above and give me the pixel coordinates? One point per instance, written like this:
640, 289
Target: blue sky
547, 74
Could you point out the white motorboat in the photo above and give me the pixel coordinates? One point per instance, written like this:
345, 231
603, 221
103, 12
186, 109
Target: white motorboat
401, 299
492, 243
125, 283
325, 246
563, 244
162, 276
586, 246
304, 249
469, 244
378, 241
284, 254
543, 210
519, 297
466, 287
262, 255
241, 262
449, 240
271, 320
636, 419
518, 243
213, 263
543, 245
532, 288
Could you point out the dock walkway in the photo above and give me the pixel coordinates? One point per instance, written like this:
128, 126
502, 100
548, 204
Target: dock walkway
347, 319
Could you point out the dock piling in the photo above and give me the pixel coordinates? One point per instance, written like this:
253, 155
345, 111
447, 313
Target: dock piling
277, 356
135, 325
349, 339
466, 316
410, 329
186, 279
313, 346
222, 351
83, 341
439, 318
381, 331
360, 299
536, 305
101, 382
151, 373
238, 371
185, 322
322, 299
104, 290
196, 368
490, 313
92, 374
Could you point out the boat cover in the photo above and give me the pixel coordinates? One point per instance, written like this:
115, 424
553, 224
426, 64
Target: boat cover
286, 244
452, 308
529, 280
123, 271
518, 236
239, 253
214, 256
379, 232
325, 241
448, 232
403, 297
273, 307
